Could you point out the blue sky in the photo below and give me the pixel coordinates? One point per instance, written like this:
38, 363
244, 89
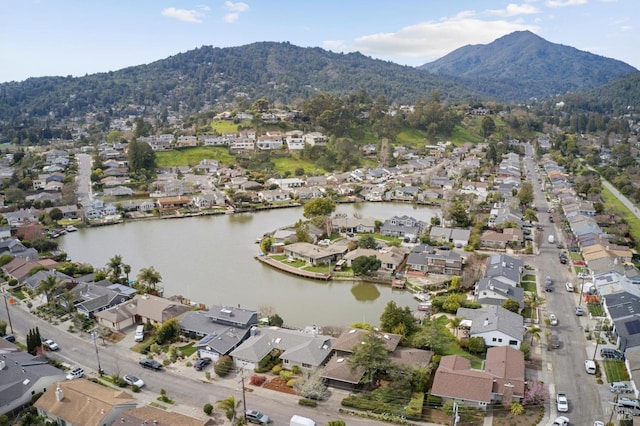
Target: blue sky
78, 37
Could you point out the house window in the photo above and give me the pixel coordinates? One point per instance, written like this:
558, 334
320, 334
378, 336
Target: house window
482, 404
513, 343
500, 340
306, 365
494, 339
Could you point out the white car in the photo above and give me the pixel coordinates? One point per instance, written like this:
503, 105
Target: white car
563, 403
133, 380
76, 373
569, 286
561, 421
51, 345
553, 319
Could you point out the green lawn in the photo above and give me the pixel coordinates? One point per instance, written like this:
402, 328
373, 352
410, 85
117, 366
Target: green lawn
17, 293
188, 350
453, 349
193, 156
290, 164
529, 313
630, 218
614, 371
595, 310
529, 286
529, 277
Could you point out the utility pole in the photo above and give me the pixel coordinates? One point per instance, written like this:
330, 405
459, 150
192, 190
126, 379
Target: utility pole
456, 417
6, 305
244, 400
94, 335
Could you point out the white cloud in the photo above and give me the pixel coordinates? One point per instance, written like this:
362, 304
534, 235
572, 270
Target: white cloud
514, 10
334, 45
185, 15
235, 9
562, 3
431, 40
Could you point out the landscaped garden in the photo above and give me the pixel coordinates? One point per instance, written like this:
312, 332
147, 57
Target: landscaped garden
615, 370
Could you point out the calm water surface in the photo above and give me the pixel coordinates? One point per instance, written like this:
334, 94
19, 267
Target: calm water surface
210, 260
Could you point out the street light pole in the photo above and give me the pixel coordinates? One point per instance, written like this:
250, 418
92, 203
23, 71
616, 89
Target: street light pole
94, 335
6, 305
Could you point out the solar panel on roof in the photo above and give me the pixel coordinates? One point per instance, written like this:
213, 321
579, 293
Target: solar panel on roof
633, 327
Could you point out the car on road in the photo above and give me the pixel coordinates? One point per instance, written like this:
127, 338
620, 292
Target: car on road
9, 338
561, 421
569, 286
553, 319
151, 364
50, 344
579, 311
563, 260
554, 341
133, 380
548, 288
202, 363
590, 366
75, 373
258, 417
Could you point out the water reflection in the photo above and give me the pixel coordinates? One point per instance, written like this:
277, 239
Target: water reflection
365, 292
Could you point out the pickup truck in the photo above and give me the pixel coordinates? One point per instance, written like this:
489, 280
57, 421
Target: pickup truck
563, 403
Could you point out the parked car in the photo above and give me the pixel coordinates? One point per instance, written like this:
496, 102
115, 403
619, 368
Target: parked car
202, 363
579, 311
257, 417
553, 319
620, 387
50, 344
9, 338
590, 366
548, 288
133, 380
563, 260
569, 286
151, 364
610, 353
75, 373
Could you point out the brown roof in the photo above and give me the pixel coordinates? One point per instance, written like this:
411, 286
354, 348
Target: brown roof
411, 357
354, 336
157, 308
83, 402
506, 364
455, 379
157, 417
119, 312
338, 368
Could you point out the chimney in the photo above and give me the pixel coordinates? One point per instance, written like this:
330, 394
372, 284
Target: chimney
59, 394
507, 394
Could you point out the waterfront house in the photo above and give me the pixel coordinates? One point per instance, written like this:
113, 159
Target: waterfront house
157, 310
220, 329
353, 224
120, 316
391, 259
312, 254
83, 403
274, 196
426, 259
90, 298
402, 227
307, 351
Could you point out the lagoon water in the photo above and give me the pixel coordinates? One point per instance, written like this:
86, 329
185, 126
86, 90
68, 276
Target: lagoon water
210, 260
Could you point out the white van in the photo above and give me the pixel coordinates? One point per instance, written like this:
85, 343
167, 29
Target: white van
627, 406
139, 333
301, 421
590, 366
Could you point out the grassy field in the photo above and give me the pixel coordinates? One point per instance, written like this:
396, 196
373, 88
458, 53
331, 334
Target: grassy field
529, 286
615, 371
630, 218
193, 156
290, 164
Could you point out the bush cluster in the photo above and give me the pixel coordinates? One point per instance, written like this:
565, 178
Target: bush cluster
307, 402
257, 380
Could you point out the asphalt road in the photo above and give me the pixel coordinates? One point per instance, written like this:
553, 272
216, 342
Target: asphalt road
563, 367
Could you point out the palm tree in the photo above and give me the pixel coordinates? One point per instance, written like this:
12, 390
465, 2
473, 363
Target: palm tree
126, 268
149, 276
229, 406
67, 298
48, 286
115, 267
454, 323
533, 301
534, 332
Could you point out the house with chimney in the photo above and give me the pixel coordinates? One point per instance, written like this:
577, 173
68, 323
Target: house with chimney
502, 381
